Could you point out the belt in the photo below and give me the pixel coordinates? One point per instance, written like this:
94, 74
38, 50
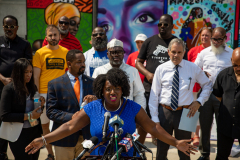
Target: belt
179, 108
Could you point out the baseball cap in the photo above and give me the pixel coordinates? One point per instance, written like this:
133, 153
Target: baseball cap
140, 37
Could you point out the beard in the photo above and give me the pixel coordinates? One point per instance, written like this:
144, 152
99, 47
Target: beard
100, 43
218, 50
63, 31
53, 43
81, 72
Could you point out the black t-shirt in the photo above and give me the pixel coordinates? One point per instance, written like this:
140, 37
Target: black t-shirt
10, 51
154, 51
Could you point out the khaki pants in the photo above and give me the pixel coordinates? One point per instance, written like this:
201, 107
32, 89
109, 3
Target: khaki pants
69, 153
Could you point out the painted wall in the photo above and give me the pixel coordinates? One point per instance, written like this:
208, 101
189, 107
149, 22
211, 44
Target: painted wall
40, 13
125, 19
190, 17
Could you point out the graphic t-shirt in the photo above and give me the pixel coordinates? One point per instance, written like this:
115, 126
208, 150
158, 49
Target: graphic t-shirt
52, 64
154, 51
99, 59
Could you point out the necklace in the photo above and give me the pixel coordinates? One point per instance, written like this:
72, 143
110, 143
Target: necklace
104, 105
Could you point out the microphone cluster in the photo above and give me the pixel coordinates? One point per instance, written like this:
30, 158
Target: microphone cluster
125, 144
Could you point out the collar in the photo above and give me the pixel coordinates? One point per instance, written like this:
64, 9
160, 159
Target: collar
232, 74
181, 64
71, 77
14, 40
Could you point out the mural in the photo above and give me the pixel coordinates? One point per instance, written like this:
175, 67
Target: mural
124, 20
189, 17
40, 13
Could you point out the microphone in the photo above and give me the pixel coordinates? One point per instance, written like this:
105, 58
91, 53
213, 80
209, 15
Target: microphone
125, 144
135, 146
87, 145
116, 122
120, 131
135, 139
107, 116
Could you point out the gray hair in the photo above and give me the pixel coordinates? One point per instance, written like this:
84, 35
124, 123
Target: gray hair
178, 41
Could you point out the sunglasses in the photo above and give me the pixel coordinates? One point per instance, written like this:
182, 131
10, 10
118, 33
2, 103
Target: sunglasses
95, 34
9, 27
218, 39
116, 53
163, 24
63, 22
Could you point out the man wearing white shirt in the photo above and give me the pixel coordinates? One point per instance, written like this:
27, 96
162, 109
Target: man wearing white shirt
116, 54
97, 55
212, 60
172, 91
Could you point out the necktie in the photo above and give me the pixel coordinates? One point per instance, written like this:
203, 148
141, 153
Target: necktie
175, 89
76, 89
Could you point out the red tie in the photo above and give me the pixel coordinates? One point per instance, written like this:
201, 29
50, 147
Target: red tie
76, 89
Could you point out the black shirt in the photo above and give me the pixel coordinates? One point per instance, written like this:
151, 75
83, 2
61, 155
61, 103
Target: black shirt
10, 51
155, 51
227, 87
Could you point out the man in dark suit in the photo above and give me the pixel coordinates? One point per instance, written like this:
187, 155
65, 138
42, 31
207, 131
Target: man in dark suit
64, 98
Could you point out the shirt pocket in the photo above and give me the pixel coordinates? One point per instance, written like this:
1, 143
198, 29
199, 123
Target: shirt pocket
185, 83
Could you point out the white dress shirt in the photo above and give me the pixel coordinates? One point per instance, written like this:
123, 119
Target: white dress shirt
136, 86
214, 63
161, 90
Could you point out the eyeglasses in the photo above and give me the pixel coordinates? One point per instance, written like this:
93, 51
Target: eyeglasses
9, 27
218, 39
163, 24
95, 34
63, 22
119, 53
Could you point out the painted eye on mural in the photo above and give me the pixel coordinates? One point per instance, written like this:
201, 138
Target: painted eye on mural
106, 27
144, 18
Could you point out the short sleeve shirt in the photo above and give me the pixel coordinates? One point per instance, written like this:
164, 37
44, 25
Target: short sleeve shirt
96, 111
155, 51
52, 64
10, 51
226, 86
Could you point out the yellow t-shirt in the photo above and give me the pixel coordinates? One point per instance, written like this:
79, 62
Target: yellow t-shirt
52, 64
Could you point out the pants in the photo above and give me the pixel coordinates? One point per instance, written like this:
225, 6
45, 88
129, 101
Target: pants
3, 142
169, 120
64, 153
27, 136
206, 119
147, 95
224, 146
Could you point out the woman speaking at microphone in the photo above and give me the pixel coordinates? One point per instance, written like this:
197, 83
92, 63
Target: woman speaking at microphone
110, 89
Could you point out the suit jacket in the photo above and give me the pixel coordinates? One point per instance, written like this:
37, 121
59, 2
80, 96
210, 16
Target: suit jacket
10, 108
62, 104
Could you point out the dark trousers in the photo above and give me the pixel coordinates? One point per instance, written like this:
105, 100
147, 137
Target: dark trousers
224, 146
206, 119
169, 120
147, 95
3, 142
27, 136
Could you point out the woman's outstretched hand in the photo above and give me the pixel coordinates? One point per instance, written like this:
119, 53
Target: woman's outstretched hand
185, 147
34, 146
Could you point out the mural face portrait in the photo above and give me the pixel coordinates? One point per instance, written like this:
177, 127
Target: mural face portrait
74, 25
124, 20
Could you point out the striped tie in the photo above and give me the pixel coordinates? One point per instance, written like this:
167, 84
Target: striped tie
175, 90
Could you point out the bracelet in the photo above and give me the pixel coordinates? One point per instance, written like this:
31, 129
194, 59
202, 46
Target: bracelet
31, 116
44, 141
28, 116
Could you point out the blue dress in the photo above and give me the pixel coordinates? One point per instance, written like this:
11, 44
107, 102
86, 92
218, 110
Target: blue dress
95, 111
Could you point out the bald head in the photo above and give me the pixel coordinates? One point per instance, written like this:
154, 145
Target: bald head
236, 60
220, 30
63, 25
